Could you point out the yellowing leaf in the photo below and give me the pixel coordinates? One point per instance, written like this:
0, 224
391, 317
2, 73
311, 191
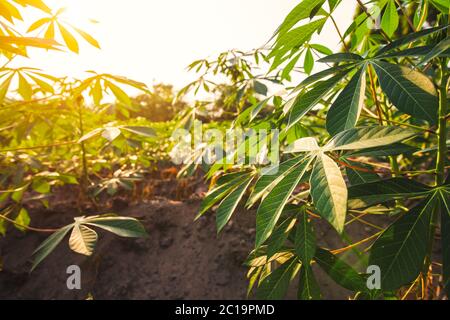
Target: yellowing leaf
69, 39
86, 36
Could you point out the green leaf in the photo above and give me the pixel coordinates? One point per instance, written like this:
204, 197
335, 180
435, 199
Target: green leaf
308, 289
444, 208
440, 48
82, 239
22, 220
322, 74
341, 57
49, 245
271, 207
281, 232
409, 90
275, 286
256, 109
305, 102
308, 64
329, 192
411, 37
270, 178
340, 271
383, 151
122, 226
293, 39
401, 249
359, 176
300, 12
322, 49
229, 204
224, 186
390, 20
345, 110
305, 239
365, 195
368, 137
140, 130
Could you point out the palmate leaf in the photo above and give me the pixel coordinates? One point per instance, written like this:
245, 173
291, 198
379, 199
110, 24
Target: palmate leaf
322, 74
305, 239
328, 191
305, 102
271, 207
140, 130
308, 289
368, 137
365, 195
409, 90
229, 204
345, 110
400, 250
275, 286
339, 271
83, 239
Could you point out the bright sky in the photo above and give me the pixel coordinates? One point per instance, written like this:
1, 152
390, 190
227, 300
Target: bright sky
154, 40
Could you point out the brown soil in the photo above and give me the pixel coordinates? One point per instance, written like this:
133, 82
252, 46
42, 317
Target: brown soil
181, 259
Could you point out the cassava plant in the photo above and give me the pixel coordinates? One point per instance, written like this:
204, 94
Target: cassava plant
50, 135
363, 141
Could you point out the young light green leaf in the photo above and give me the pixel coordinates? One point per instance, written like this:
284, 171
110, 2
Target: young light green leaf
329, 192
368, 137
270, 209
345, 110
308, 63
390, 20
300, 12
22, 220
410, 91
400, 250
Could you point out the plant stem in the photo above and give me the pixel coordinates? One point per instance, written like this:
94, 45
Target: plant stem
84, 179
442, 125
27, 227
